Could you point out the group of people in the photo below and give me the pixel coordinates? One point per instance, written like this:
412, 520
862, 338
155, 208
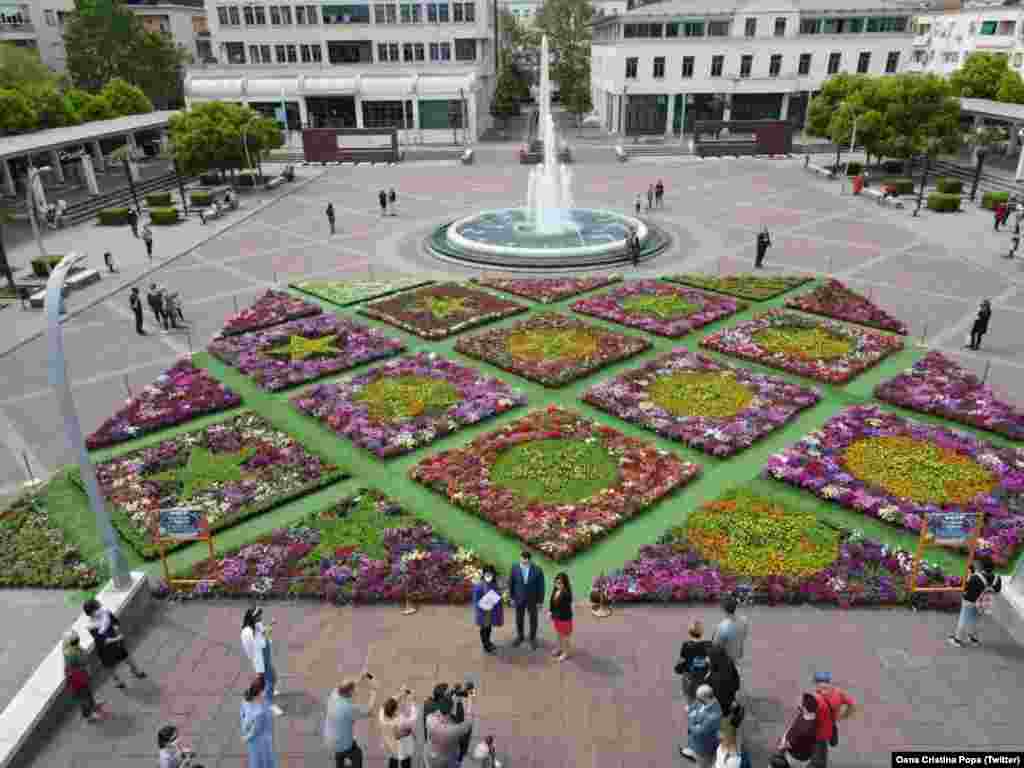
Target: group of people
388, 201
165, 305
655, 197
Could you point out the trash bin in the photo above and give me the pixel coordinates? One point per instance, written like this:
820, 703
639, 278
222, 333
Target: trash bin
858, 184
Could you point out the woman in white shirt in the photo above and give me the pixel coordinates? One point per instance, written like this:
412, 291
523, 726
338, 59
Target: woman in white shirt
397, 729
256, 645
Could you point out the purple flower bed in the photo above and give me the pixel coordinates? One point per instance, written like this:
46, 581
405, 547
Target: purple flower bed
772, 403
413, 421
940, 386
256, 355
270, 309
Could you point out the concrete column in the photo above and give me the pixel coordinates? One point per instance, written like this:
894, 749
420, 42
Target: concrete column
8, 178
359, 110
727, 109
670, 119
130, 138
97, 157
58, 169
303, 112
415, 113
784, 109
471, 116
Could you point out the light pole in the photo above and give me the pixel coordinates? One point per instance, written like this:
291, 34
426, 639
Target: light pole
245, 140
30, 199
72, 426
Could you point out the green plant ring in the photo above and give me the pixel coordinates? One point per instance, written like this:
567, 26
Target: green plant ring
405, 397
665, 306
714, 395
803, 343
559, 471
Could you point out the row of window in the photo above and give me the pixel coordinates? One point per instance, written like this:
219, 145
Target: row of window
1007, 27
55, 19
383, 13
349, 53
823, 26
465, 50
892, 63
953, 57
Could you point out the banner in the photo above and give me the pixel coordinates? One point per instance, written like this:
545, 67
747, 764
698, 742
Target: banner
951, 529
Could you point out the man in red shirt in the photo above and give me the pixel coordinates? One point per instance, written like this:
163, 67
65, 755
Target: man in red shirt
834, 704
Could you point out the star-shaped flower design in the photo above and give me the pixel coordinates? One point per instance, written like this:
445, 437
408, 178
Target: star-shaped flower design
299, 347
205, 468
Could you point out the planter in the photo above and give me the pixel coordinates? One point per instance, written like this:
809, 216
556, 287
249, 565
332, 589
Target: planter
162, 217
43, 267
943, 203
901, 186
114, 217
991, 199
949, 186
158, 199
200, 197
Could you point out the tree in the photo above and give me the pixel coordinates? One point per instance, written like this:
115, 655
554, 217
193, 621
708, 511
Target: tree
125, 98
514, 33
505, 103
567, 25
823, 117
20, 67
51, 109
210, 136
922, 116
97, 108
16, 112
980, 76
1011, 88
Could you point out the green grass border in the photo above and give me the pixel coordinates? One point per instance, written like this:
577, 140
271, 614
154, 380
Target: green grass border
307, 293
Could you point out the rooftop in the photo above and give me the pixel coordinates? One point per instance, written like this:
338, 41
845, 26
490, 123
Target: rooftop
711, 8
55, 138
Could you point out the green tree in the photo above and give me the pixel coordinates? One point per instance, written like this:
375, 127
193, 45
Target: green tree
16, 112
49, 105
826, 119
922, 116
97, 108
567, 23
1011, 88
125, 98
22, 66
507, 91
980, 76
210, 136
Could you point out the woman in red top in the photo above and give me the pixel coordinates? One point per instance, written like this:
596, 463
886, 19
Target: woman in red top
561, 615
834, 704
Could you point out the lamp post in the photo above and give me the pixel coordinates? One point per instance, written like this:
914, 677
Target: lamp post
33, 211
181, 186
245, 139
924, 181
72, 427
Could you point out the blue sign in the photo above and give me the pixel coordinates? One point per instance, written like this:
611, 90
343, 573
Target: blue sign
951, 527
181, 523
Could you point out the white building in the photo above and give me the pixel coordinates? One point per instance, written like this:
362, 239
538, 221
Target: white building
526, 10
424, 68
943, 40
742, 60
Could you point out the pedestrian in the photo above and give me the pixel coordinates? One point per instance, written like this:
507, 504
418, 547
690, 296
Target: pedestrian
526, 585
980, 327
392, 199
133, 219
1016, 224
834, 704
693, 662
634, 248
258, 725
397, 729
561, 615
173, 301
637, 204
650, 196
764, 242
1015, 243
106, 632
76, 672
108, 260
382, 198
799, 739
731, 632
330, 216
147, 238
728, 754
446, 736
487, 612
136, 305
659, 194
340, 718
704, 716
257, 646
155, 299
723, 677
172, 754
976, 598
1000, 215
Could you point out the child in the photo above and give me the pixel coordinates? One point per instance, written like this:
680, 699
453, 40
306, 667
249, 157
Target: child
76, 672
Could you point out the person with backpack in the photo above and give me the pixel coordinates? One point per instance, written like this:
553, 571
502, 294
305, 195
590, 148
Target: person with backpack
105, 629
397, 729
693, 666
834, 704
977, 599
723, 677
799, 739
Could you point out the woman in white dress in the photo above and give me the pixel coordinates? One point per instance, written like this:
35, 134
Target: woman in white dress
256, 645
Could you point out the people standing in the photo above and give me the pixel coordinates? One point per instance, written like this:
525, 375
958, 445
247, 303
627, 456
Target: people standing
1000, 212
980, 327
392, 200
382, 198
76, 672
108, 260
173, 308
172, 755
258, 725
650, 196
340, 719
155, 300
1015, 243
257, 646
526, 584
834, 704
147, 238
704, 717
637, 205
397, 728
723, 677
489, 618
976, 598
446, 736
136, 304
764, 242
105, 630
330, 216
561, 615
659, 194
634, 248
693, 665
133, 219
799, 739
731, 632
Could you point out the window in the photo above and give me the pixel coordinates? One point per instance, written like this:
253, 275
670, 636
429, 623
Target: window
718, 29
988, 27
780, 26
279, 51
750, 30
888, 24
265, 54
951, 57
406, 13
233, 15
457, 12
348, 53
249, 18
442, 12
286, 15
864, 62
318, 55
775, 65
746, 65
387, 114
384, 52
440, 51
833, 62
254, 54
300, 14
631, 66
1018, 59
671, 30
346, 14
431, 13
420, 51
311, 17
465, 50
659, 66
406, 52
470, 12
692, 29
687, 66
440, 114
291, 51
235, 53
304, 51
261, 16
1007, 27
920, 57
385, 14
810, 26
892, 62
804, 67
222, 17
275, 15
717, 65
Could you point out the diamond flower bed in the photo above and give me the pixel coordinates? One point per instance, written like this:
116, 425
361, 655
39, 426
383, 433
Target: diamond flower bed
407, 403
783, 555
658, 307
230, 471
364, 549
347, 292
833, 299
294, 353
939, 386
713, 407
546, 290
554, 479
438, 311
180, 394
273, 308
818, 349
550, 348
745, 286
897, 470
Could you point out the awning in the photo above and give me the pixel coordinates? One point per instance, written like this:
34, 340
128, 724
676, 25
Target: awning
215, 89
444, 85
316, 86
385, 87
270, 88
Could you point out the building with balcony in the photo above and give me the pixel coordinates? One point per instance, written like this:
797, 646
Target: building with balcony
659, 67
944, 39
426, 69
16, 27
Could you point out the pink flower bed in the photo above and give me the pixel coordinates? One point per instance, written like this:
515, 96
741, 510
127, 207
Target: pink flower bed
546, 290
271, 308
833, 299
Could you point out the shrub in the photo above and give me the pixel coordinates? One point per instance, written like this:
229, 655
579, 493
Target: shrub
901, 185
943, 203
249, 179
114, 216
42, 267
200, 197
949, 186
158, 199
854, 169
163, 216
209, 179
991, 199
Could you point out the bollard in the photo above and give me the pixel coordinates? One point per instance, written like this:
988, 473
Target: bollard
28, 466
719, 266
924, 333
275, 277
984, 376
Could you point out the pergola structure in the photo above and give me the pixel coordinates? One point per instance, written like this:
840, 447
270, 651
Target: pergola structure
1002, 112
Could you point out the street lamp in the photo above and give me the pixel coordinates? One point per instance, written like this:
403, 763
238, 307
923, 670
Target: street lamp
245, 139
30, 199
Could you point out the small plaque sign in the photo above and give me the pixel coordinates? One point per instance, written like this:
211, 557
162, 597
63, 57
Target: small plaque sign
951, 528
181, 523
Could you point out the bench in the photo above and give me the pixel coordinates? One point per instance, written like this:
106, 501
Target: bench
275, 183
620, 154
467, 157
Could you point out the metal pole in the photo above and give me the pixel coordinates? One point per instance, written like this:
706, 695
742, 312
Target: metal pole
924, 180
72, 427
28, 466
30, 199
235, 300
977, 173
984, 376
181, 187
128, 387
190, 341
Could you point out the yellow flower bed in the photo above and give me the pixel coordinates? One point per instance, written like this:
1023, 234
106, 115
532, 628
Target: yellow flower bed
712, 394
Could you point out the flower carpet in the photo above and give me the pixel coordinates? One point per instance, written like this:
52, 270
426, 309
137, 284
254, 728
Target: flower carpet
833, 299
407, 403
303, 350
347, 292
713, 407
940, 386
272, 308
898, 470
546, 290
182, 393
555, 480
230, 471
551, 348
658, 307
363, 549
781, 554
439, 311
819, 349
744, 286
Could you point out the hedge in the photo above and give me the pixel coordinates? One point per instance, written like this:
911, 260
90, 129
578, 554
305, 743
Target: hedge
114, 216
854, 169
991, 199
42, 267
901, 185
943, 203
949, 186
158, 199
163, 216
200, 197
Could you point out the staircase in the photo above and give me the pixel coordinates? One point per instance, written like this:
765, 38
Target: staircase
122, 197
989, 182
673, 149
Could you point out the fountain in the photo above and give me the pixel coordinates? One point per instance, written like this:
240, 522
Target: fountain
549, 232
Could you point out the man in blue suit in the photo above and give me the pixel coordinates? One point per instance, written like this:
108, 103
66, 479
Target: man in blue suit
526, 584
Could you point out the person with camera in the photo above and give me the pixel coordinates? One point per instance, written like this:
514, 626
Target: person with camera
340, 719
172, 754
447, 736
257, 724
397, 729
799, 740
